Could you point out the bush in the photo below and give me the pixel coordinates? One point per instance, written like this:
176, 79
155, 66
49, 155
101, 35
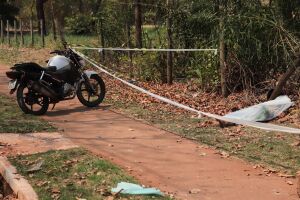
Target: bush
81, 24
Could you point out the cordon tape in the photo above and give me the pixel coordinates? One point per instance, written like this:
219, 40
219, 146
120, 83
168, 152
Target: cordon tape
259, 125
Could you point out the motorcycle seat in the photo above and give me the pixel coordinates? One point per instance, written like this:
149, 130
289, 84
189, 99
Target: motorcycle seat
51, 69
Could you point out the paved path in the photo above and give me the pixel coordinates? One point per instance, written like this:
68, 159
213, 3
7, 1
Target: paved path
164, 160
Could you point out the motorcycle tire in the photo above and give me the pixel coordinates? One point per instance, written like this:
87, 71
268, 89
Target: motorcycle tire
22, 104
87, 102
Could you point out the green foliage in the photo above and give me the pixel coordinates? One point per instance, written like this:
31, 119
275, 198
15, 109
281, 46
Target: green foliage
151, 67
259, 44
8, 11
110, 25
81, 24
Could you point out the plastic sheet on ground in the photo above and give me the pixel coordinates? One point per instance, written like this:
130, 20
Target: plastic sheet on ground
264, 111
134, 189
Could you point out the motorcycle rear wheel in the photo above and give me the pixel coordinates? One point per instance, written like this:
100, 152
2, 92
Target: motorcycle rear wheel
88, 99
30, 102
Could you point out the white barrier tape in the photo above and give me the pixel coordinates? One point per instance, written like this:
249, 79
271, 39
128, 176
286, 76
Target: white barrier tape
144, 49
263, 126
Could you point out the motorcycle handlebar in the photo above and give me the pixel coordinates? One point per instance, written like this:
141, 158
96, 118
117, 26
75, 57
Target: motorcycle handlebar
57, 52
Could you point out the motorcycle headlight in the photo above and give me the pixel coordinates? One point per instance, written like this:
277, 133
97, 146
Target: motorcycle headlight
82, 62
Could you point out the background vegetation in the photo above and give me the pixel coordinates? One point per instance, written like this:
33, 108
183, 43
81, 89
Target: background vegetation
257, 40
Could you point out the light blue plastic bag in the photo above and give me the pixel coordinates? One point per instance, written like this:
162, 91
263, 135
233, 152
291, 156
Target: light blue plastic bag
264, 111
130, 188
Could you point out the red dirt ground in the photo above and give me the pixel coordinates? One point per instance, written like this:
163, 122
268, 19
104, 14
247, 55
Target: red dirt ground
161, 159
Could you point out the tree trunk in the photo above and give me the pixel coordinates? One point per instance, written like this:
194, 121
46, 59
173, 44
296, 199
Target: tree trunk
41, 14
59, 21
97, 6
170, 44
138, 24
284, 78
53, 22
80, 6
222, 53
128, 34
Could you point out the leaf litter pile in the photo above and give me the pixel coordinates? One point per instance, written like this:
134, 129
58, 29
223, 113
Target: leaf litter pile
189, 94
73, 174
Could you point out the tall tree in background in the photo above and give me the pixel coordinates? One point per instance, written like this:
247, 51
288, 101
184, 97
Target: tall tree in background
7, 11
138, 24
41, 14
221, 5
170, 4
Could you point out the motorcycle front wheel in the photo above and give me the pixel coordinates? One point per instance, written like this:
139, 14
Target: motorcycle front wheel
31, 102
91, 99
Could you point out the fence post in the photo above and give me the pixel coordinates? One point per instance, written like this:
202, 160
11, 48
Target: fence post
42, 33
7, 30
31, 33
21, 32
15, 32
2, 32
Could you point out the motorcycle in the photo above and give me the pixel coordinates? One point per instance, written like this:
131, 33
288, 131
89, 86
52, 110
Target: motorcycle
63, 79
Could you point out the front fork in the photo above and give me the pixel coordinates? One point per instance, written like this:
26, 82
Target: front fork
13, 86
87, 84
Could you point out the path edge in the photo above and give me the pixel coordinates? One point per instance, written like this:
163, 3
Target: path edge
18, 184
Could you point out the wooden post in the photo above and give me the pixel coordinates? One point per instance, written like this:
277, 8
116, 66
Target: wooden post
31, 33
15, 32
7, 31
2, 32
42, 33
21, 32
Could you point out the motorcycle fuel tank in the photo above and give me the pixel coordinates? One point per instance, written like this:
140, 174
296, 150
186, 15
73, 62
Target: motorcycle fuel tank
60, 62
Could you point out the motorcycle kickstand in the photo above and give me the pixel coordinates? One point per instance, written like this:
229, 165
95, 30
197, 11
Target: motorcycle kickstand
53, 106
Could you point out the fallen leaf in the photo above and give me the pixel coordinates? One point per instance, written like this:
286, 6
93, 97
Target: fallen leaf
296, 144
36, 167
285, 175
194, 191
77, 198
289, 183
55, 190
202, 154
224, 154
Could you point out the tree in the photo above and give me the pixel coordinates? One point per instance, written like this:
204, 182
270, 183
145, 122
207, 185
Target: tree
8, 11
222, 47
41, 14
284, 78
170, 4
138, 24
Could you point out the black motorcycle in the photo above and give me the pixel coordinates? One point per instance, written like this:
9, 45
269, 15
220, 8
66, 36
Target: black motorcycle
62, 79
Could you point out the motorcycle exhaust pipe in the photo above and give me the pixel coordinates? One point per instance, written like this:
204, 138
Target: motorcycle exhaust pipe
42, 88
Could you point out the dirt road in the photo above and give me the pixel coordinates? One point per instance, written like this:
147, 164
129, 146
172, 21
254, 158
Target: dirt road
164, 160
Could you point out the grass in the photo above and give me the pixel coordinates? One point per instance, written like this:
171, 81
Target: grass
13, 120
50, 42
73, 174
